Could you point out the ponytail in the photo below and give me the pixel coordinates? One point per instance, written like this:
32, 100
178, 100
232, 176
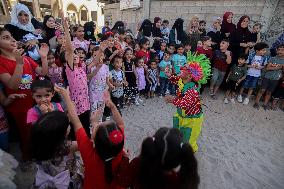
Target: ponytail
188, 171
108, 170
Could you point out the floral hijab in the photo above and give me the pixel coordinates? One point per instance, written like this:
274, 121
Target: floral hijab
14, 17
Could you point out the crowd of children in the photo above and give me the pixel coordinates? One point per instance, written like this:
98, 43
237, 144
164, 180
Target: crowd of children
84, 82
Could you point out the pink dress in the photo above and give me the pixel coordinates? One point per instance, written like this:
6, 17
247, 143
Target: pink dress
76, 43
97, 86
78, 87
141, 78
55, 75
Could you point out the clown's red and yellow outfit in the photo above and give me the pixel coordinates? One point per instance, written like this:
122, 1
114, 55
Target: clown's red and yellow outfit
189, 116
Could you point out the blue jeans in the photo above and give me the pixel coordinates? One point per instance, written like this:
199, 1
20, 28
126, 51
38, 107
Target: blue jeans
164, 82
4, 140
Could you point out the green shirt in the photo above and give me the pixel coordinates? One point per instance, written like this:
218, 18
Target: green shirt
237, 72
274, 74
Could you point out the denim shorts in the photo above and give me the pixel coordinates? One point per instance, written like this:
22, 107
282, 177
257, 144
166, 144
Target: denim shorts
250, 82
217, 77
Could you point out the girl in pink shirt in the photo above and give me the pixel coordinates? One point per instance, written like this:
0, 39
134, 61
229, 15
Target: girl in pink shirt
42, 93
79, 40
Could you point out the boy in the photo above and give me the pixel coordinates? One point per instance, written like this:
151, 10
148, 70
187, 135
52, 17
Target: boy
221, 59
206, 47
202, 27
271, 77
152, 77
178, 60
165, 30
255, 63
235, 77
106, 28
165, 66
171, 49
187, 47
163, 47
255, 34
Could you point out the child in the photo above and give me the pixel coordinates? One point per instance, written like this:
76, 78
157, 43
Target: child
120, 41
202, 28
106, 28
110, 51
256, 62
187, 48
94, 53
255, 34
152, 78
144, 52
98, 76
54, 72
165, 66
79, 40
4, 127
165, 30
271, 78
206, 47
179, 60
103, 155
131, 91
165, 161
57, 165
42, 92
221, 60
189, 116
118, 80
81, 53
235, 77
78, 86
16, 74
140, 71
163, 47
171, 49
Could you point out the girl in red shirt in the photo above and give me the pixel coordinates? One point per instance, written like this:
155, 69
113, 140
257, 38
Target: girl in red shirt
144, 51
104, 159
17, 73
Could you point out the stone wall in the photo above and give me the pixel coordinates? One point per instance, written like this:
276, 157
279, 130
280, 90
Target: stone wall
258, 10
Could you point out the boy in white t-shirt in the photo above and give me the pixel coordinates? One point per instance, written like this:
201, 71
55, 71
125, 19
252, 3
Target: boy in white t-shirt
255, 63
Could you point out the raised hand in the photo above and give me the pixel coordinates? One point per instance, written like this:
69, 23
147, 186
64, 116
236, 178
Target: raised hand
14, 96
19, 53
43, 51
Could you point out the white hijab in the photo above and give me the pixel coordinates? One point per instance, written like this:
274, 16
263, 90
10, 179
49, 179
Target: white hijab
14, 17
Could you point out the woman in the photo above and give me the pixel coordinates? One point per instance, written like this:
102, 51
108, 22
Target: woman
214, 33
21, 24
193, 32
117, 25
156, 29
227, 26
177, 34
240, 41
49, 29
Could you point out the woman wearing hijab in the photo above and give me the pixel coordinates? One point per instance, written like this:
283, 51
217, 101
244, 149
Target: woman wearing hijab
118, 25
227, 26
240, 40
177, 34
21, 24
156, 29
214, 33
49, 31
89, 29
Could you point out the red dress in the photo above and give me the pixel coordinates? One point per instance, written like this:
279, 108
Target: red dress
143, 54
94, 165
19, 108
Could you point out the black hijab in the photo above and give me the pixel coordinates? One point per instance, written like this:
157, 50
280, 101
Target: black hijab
49, 32
146, 28
89, 31
178, 26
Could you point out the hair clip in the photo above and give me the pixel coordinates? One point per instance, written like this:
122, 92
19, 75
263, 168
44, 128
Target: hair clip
181, 145
108, 159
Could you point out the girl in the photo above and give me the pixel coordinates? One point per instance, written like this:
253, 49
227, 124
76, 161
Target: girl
4, 127
144, 53
103, 156
43, 91
118, 80
94, 53
17, 73
110, 51
152, 78
79, 40
120, 40
165, 162
54, 72
141, 80
98, 75
227, 26
57, 165
81, 53
78, 86
131, 91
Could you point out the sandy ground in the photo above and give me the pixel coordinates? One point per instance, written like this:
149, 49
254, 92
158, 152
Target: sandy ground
239, 147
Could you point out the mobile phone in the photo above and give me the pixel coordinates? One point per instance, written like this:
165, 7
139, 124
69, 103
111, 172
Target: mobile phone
58, 20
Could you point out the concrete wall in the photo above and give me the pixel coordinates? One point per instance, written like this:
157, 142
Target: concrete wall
258, 10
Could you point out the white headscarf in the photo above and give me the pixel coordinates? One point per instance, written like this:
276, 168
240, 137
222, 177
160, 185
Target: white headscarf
14, 17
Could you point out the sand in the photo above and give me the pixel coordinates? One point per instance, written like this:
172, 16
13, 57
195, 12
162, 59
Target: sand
239, 147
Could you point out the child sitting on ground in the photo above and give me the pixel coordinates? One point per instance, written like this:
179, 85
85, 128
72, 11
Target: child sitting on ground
273, 74
221, 60
255, 63
235, 77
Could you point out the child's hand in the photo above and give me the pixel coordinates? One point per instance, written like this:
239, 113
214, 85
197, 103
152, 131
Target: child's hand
107, 99
96, 118
125, 83
14, 96
227, 53
64, 92
43, 108
43, 51
18, 53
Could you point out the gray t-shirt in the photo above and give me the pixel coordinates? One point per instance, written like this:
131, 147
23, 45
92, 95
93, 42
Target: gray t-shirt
274, 74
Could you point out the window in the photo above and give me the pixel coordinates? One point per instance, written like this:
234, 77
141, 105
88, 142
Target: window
94, 15
84, 14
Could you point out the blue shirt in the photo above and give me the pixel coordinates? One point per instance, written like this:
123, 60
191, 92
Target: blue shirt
163, 64
179, 61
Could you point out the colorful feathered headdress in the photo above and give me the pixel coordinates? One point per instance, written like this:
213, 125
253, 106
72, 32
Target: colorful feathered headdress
199, 67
